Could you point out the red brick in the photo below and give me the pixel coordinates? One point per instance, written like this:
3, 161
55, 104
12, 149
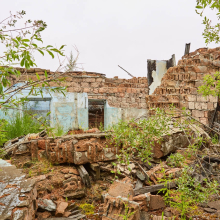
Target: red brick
210, 106
42, 144
191, 105
204, 121
129, 90
201, 98
85, 84
156, 202
87, 90
197, 113
213, 99
121, 89
61, 206
200, 69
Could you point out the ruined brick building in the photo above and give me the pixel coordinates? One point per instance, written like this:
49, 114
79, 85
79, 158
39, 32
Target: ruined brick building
179, 85
91, 99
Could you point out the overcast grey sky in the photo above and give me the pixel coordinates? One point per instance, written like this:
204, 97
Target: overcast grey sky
109, 33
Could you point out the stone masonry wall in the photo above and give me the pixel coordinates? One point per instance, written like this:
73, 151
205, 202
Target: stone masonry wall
121, 93
180, 84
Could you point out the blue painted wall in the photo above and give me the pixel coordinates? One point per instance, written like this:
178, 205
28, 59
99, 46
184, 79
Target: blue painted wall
71, 111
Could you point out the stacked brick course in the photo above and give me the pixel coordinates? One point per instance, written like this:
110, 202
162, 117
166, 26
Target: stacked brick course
121, 93
180, 84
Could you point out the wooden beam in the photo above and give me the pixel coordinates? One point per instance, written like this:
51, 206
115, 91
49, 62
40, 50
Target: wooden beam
84, 175
154, 188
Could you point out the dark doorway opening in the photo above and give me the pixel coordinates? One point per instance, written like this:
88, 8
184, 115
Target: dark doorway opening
96, 113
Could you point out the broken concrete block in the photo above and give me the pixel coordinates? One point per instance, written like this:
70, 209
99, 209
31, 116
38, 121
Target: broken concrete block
11, 184
47, 204
138, 184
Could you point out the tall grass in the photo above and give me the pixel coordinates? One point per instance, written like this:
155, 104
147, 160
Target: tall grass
20, 125
58, 130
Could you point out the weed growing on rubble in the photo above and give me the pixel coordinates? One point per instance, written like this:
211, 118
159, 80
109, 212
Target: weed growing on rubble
189, 193
215, 139
175, 160
127, 214
59, 130
136, 139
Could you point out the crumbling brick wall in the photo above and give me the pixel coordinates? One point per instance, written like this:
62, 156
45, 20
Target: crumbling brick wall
180, 84
120, 93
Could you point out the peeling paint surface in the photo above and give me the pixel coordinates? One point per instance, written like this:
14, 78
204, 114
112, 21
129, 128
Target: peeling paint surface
161, 68
71, 111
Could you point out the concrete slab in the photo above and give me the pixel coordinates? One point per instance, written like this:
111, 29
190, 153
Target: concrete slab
13, 185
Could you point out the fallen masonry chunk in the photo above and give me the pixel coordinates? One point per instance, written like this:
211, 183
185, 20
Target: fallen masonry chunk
84, 175
154, 188
210, 210
214, 205
121, 188
138, 184
115, 206
47, 204
61, 206
140, 175
77, 217
95, 167
169, 143
75, 195
12, 181
156, 202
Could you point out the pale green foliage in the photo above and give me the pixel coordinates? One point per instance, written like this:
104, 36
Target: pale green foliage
59, 130
211, 85
19, 44
211, 32
137, 138
127, 213
215, 139
175, 160
189, 193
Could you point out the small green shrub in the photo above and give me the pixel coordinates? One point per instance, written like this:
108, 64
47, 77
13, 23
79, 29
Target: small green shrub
127, 213
189, 193
215, 139
136, 139
175, 160
59, 130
